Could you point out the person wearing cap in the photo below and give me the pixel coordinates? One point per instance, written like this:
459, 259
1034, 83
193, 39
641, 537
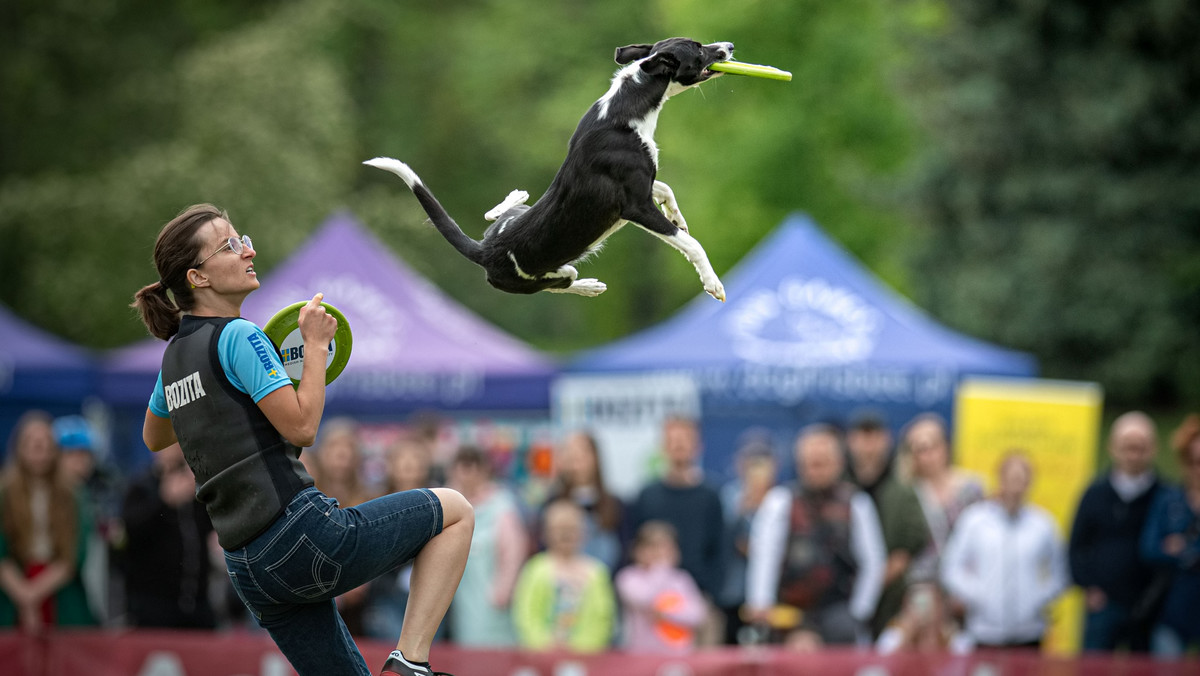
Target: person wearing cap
905, 532
99, 491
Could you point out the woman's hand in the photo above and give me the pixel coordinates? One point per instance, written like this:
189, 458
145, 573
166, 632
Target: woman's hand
317, 327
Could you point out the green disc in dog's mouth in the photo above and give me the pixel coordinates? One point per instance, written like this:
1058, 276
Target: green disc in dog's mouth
751, 69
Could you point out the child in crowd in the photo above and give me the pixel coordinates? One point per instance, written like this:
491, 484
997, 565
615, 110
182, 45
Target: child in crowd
923, 625
563, 598
662, 604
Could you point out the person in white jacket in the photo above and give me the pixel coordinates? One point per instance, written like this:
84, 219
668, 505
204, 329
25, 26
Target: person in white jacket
1005, 562
816, 546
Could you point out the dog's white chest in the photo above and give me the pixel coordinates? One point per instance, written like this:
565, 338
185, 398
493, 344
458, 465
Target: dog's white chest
644, 128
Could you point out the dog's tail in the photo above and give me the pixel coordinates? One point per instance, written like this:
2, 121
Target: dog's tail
441, 220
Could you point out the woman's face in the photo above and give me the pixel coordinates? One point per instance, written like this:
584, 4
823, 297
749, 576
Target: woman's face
36, 449
339, 459
576, 461
225, 272
407, 467
927, 443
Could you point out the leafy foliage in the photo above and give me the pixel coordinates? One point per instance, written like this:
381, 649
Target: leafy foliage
1048, 152
1059, 196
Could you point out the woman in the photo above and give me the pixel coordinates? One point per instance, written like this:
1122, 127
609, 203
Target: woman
944, 490
482, 617
408, 468
338, 473
44, 531
1171, 542
224, 396
581, 480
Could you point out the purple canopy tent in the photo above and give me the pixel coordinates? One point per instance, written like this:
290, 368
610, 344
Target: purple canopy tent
414, 347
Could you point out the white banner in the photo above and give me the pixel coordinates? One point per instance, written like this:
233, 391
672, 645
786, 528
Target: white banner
625, 413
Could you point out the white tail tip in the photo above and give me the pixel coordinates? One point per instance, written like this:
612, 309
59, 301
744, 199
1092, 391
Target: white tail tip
396, 167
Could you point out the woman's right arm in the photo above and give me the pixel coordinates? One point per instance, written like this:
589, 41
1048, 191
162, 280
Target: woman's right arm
157, 432
296, 413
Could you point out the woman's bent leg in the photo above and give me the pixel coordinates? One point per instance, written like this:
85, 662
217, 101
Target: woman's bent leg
436, 573
315, 640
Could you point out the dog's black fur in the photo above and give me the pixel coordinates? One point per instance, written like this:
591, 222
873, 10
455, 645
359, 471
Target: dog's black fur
606, 180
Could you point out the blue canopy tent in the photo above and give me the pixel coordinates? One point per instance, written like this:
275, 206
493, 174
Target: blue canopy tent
414, 348
807, 335
39, 371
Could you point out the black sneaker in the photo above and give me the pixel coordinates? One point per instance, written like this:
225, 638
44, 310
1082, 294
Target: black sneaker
397, 664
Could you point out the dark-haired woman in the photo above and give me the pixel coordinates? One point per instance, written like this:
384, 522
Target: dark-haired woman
224, 397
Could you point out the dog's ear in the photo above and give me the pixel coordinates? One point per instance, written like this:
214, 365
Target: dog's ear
662, 63
632, 53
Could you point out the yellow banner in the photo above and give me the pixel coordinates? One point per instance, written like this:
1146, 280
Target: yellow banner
1056, 423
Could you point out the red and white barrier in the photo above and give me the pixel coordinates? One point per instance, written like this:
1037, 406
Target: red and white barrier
169, 653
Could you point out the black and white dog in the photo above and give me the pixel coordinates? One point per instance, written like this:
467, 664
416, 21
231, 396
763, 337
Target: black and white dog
607, 180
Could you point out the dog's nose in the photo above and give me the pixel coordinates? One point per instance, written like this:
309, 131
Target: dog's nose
726, 49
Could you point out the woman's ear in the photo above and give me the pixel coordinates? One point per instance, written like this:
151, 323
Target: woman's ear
196, 278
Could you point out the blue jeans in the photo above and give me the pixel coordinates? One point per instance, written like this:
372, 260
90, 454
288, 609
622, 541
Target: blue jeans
1111, 627
289, 576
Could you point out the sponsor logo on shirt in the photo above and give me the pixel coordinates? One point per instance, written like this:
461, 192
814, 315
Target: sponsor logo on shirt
264, 355
184, 391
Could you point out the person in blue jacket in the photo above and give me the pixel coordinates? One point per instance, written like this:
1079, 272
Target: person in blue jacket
1171, 543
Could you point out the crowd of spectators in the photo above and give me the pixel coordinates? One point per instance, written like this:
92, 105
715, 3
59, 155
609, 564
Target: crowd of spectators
878, 541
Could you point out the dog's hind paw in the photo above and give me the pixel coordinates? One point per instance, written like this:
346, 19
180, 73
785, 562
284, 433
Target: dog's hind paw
585, 287
515, 198
716, 290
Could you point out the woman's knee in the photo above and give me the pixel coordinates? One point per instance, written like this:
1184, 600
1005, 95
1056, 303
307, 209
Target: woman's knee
455, 508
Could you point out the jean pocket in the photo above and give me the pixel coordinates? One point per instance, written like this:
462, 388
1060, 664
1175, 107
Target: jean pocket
306, 571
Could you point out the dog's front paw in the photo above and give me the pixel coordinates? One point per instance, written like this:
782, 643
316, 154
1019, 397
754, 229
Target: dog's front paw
588, 287
716, 289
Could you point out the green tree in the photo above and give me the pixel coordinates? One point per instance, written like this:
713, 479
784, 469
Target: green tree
268, 111
1059, 192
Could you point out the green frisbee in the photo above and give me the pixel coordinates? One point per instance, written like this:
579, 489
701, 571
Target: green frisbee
751, 69
284, 331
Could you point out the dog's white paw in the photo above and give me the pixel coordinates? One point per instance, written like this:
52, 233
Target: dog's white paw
515, 198
715, 289
587, 287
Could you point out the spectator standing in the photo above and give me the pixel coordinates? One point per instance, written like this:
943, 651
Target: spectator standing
99, 488
757, 471
1005, 563
1105, 538
1171, 542
923, 625
685, 500
564, 599
480, 615
580, 478
662, 606
409, 467
905, 533
167, 561
944, 490
816, 546
339, 465
44, 531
